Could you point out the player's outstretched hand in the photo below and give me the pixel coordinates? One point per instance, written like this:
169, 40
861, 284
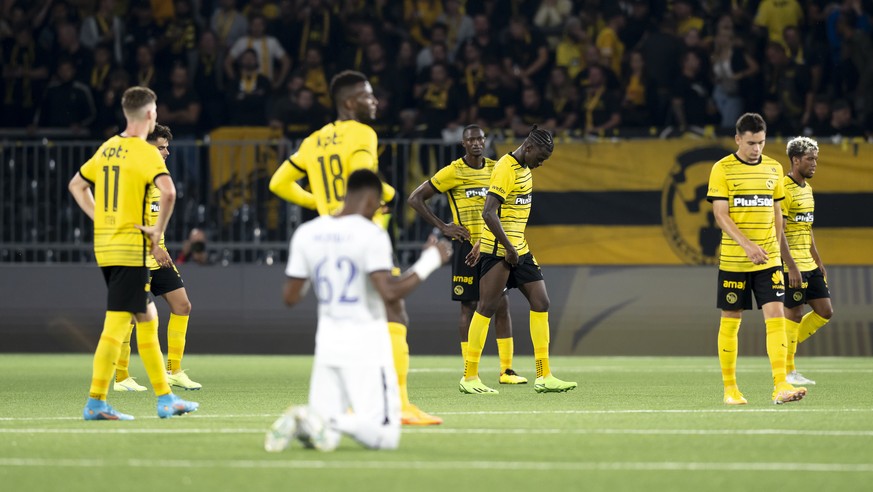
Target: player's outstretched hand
473, 256
455, 231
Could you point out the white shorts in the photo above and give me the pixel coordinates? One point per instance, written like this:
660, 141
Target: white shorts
370, 392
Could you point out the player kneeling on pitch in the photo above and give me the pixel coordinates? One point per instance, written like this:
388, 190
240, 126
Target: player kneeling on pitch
353, 387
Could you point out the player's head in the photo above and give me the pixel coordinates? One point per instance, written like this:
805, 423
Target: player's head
750, 137
803, 152
353, 96
473, 140
160, 137
364, 193
538, 146
139, 105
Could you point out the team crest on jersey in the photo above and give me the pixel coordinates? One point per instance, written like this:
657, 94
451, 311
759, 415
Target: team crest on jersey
471, 192
686, 216
770, 184
798, 296
731, 297
459, 290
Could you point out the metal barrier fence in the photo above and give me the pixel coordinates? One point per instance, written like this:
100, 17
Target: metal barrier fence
223, 188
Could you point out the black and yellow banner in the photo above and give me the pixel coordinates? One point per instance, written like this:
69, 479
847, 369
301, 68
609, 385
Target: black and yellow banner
644, 202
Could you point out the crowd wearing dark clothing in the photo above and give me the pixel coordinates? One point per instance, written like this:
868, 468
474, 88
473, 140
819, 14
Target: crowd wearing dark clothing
592, 67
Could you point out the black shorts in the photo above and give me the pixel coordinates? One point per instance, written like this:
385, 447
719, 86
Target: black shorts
735, 288
814, 286
128, 288
164, 280
465, 279
525, 272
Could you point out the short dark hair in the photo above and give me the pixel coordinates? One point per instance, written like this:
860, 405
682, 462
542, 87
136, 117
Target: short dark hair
541, 138
364, 179
160, 131
471, 128
752, 123
342, 81
136, 98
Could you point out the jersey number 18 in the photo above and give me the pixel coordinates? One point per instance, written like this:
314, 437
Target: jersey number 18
332, 176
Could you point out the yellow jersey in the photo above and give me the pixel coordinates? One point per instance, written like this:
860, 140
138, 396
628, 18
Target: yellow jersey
329, 155
466, 188
751, 191
512, 184
798, 208
154, 204
121, 172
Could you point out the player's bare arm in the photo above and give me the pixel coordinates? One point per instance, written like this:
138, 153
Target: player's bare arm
721, 210
815, 257
489, 213
418, 201
295, 289
794, 278
80, 188
168, 201
473, 256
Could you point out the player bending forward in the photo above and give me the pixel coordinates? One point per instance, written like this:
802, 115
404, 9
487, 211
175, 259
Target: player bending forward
353, 387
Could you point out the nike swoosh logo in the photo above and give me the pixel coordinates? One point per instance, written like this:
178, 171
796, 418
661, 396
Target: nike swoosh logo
780, 294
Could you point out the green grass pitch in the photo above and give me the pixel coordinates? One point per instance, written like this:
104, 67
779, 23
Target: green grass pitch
643, 423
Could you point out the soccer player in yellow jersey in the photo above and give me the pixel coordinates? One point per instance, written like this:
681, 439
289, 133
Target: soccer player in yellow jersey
465, 181
166, 283
506, 262
121, 172
327, 158
798, 208
745, 189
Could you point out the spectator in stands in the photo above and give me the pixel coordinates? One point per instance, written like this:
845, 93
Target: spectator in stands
570, 52
110, 116
25, 72
810, 54
609, 43
526, 55
493, 105
420, 16
316, 27
300, 117
145, 74
195, 251
460, 25
179, 106
819, 123
380, 71
249, 93
691, 104
636, 105
778, 125
315, 76
485, 39
842, 123
209, 82
732, 67
856, 60
104, 27
638, 22
362, 34
686, 19
775, 15
179, 42
261, 8
405, 69
593, 58
98, 80
469, 63
439, 102
789, 82
267, 50
661, 49
228, 23
549, 19
601, 109
59, 13
532, 111
438, 38
141, 30
67, 102
69, 48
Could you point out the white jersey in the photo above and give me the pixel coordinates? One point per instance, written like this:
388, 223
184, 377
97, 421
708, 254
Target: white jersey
337, 254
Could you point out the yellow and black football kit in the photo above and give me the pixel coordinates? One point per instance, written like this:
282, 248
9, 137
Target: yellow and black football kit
162, 280
798, 208
512, 184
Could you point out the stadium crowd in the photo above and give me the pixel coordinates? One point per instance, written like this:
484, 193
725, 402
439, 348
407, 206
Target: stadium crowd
585, 67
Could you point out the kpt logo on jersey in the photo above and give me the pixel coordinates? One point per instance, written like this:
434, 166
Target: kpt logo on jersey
686, 217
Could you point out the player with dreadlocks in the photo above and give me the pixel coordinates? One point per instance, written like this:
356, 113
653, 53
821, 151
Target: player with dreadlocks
506, 262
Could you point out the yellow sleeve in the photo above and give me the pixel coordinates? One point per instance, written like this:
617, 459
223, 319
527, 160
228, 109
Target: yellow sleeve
445, 179
502, 180
284, 185
717, 184
157, 165
89, 169
786, 204
779, 188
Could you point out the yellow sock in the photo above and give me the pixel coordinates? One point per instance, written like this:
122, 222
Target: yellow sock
727, 350
475, 343
777, 348
121, 367
176, 330
539, 335
115, 326
400, 349
464, 349
150, 353
791, 330
505, 349
810, 324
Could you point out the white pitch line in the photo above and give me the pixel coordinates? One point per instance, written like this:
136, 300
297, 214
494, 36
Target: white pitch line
602, 369
454, 431
770, 409
444, 465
